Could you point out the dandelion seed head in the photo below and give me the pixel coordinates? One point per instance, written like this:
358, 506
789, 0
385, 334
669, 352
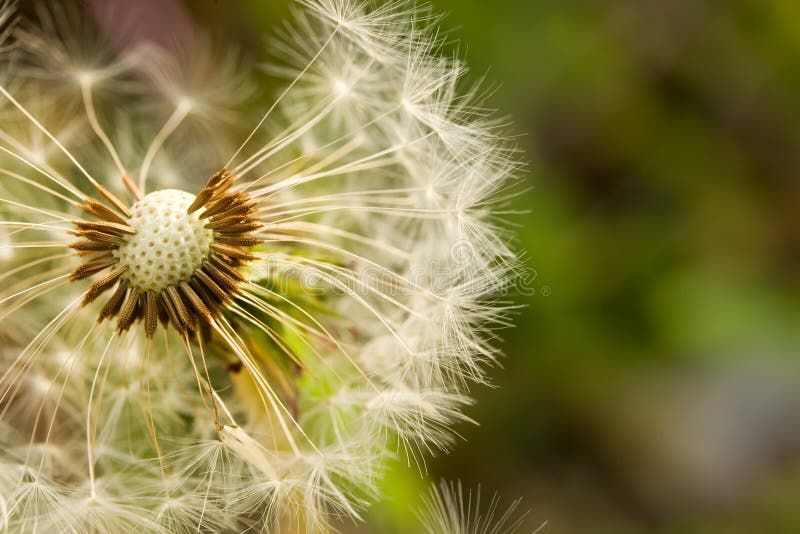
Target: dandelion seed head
250, 351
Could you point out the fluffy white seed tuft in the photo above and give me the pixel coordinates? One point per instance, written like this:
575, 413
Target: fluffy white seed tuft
451, 509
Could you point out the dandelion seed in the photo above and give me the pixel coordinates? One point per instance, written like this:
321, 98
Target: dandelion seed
246, 351
448, 508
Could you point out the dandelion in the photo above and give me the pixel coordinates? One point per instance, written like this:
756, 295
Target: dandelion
246, 351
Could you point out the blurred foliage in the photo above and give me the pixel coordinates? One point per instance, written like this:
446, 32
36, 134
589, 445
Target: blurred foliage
651, 383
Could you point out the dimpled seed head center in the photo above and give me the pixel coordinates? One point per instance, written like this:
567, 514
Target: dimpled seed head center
169, 243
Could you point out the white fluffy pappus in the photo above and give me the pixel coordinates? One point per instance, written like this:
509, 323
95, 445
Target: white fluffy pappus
447, 507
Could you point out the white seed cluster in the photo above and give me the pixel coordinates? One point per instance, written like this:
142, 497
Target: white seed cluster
169, 243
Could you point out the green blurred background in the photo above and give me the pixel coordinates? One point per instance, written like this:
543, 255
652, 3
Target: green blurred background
651, 384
